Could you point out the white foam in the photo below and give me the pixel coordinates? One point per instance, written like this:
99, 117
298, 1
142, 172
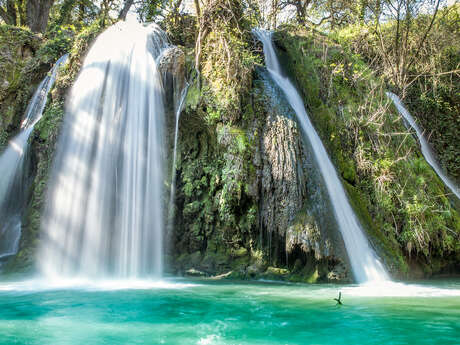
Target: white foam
392, 289
40, 284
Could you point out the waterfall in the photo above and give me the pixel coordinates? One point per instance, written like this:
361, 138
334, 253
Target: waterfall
104, 213
13, 164
172, 192
426, 149
364, 262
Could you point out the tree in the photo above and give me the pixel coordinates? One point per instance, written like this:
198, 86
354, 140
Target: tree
301, 7
37, 14
124, 11
9, 12
401, 42
33, 13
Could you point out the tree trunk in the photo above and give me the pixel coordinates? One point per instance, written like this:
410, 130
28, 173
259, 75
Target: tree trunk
301, 12
124, 11
81, 12
38, 14
22, 12
11, 9
5, 17
9, 14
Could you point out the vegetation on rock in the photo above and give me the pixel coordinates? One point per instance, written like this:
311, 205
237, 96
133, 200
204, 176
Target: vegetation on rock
246, 183
394, 191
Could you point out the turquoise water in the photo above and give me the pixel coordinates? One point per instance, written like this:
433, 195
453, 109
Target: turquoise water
187, 312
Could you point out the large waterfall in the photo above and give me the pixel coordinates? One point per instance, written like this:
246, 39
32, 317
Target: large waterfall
13, 168
104, 215
364, 262
426, 149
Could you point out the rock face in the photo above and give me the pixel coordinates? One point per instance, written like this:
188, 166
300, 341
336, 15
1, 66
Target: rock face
294, 209
249, 200
283, 182
282, 176
172, 66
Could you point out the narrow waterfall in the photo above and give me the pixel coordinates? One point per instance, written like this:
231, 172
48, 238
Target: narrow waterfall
172, 192
13, 164
364, 262
104, 214
426, 149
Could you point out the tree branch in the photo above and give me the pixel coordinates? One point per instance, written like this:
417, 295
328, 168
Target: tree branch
417, 52
124, 11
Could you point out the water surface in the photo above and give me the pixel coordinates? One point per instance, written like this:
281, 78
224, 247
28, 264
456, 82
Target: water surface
188, 312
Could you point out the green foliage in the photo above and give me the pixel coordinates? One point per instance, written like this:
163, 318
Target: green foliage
227, 70
228, 60
431, 82
58, 42
48, 126
80, 46
394, 191
21, 71
148, 11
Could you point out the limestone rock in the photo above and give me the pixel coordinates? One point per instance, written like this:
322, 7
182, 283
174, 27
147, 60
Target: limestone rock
172, 67
194, 273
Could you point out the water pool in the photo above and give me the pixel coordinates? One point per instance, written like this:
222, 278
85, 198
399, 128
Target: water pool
197, 312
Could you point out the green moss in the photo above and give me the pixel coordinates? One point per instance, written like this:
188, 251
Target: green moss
240, 252
43, 141
193, 96
275, 271
367, 142
21, 72
312, 278
50, 122
216, 209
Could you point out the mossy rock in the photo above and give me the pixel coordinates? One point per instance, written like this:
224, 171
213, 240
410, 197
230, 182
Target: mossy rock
386, 183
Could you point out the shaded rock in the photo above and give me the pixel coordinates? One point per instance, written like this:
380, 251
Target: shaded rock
295, 213
226, 275
171, 64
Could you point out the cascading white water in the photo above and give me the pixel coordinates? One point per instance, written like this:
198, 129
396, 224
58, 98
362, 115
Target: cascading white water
104, 215
364, 262
426, 149
172, 192
12, 167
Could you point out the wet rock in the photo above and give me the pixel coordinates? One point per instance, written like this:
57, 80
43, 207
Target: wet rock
172, 67
295, 212
276, 273
338, 274
253, 270
192, 272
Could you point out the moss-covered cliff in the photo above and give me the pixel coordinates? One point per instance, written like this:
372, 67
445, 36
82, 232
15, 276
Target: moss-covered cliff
397, 195
19, 75
250, 202
242, 196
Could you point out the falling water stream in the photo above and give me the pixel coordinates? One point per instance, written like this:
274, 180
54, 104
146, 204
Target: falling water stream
13, 163
364, 262
172, 192
426, 149
104, 214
